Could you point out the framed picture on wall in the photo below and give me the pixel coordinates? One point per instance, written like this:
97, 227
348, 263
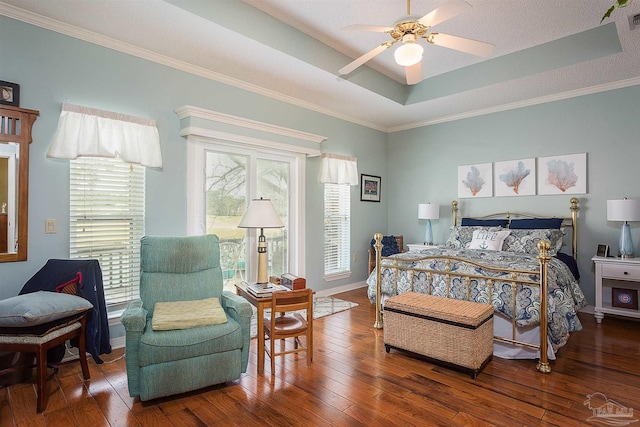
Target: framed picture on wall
370, 188
562, 174
475, 180
9, 93
515, 177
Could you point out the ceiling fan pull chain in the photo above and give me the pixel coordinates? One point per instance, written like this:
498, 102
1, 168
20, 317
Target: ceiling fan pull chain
408, 7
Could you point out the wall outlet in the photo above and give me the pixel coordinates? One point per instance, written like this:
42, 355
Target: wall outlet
355, 257
50, 226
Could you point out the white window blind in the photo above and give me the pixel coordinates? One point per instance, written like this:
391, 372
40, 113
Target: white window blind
337, 229
107, 222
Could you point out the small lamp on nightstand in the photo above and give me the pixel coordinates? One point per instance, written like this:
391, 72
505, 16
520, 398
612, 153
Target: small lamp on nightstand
428, 211
624, 210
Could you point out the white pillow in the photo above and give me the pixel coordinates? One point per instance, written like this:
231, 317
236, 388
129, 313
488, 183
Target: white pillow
488, 240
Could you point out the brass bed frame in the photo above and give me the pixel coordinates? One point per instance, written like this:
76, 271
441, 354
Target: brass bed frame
516, 277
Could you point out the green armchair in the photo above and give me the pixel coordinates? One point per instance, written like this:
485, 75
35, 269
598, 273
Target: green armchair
166, 362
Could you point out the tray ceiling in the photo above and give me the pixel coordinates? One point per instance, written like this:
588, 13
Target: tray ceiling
292, 49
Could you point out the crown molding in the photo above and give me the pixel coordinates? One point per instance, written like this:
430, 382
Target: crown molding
521, 104
191, 132
100, 40
113, 44
201, 113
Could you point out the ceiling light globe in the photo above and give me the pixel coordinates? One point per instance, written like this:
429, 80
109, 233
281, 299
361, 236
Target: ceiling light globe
408, 54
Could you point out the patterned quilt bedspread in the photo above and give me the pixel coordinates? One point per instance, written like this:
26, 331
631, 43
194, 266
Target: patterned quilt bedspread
565, 296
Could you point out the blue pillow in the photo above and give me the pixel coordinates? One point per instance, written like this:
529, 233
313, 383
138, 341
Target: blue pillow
40, 307
473, 222
536, 223
390, 245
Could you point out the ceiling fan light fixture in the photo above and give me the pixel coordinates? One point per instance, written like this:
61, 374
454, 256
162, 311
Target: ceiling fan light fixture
410, 53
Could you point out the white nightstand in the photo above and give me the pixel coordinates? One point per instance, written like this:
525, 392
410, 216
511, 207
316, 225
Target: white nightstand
420, 246
615, 273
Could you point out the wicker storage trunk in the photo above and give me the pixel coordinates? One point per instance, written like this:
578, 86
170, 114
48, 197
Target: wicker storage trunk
446, 331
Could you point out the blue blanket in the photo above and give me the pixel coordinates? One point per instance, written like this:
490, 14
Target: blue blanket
57, 272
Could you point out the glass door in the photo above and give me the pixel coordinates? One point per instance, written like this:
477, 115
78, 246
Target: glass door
232, 179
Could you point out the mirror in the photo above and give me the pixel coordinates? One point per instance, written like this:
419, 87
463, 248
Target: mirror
15, 137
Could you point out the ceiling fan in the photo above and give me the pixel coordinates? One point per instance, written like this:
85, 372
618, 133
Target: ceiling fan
409, 30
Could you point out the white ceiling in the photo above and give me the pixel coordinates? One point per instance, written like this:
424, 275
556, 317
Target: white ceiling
233, 42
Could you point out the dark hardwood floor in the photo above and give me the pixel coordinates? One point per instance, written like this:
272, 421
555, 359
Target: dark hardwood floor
353, 381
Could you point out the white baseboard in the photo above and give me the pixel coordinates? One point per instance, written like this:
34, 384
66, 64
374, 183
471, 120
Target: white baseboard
588, 309
340, 289
117, 342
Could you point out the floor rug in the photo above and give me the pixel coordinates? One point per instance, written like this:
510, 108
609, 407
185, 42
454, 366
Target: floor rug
322, 306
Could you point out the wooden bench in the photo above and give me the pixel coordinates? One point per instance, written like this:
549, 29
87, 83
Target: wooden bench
445, 331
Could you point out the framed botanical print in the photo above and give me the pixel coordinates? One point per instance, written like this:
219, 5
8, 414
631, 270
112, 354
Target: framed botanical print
515, 177
562, 174
475, 180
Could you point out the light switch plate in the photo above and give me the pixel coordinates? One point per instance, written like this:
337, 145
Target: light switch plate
50, 226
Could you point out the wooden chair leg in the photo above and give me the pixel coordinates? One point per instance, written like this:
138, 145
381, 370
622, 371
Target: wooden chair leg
82, 349
272, 355
310, 342
41, 380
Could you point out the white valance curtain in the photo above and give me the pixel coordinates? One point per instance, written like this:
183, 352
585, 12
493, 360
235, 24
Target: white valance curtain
89, 132
337, 169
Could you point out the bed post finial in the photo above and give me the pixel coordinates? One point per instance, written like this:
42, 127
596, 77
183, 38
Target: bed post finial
454, 209
543, 258
378, 247
574, 223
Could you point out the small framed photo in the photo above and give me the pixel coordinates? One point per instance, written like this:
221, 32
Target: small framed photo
370, 188
603, 251
624, 298
9, 94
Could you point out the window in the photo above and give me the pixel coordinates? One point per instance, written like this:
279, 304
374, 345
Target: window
337, 230
107, 221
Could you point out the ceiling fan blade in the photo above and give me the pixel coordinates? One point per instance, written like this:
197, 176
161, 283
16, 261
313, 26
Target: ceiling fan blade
414, 73
444, 12
364, 58
462, 44
374, 28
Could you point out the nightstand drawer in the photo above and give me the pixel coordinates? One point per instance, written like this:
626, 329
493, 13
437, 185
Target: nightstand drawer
621, 272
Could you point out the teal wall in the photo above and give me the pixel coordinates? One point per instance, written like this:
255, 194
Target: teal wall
52, 68
605, 126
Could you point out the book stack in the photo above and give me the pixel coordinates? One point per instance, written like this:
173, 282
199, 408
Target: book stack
262, 292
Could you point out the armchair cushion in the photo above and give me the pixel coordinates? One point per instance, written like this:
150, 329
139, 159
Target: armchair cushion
40, 307
187, 314
168, 346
